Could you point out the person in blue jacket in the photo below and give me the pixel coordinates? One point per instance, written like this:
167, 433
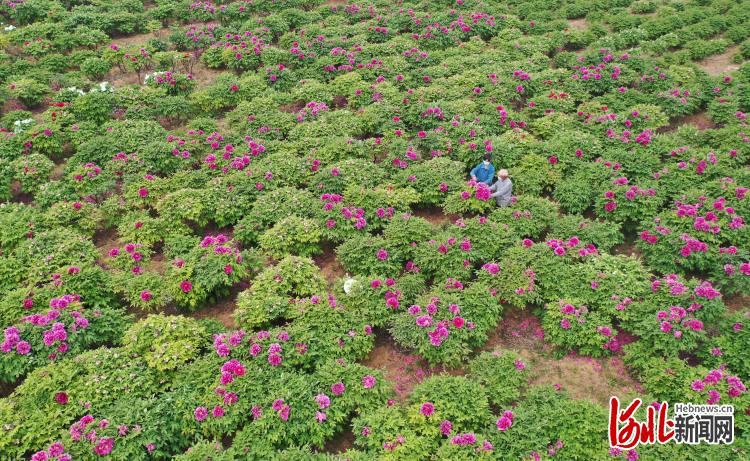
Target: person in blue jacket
484, 172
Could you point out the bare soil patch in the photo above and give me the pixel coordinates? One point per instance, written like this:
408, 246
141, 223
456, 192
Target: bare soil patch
139, 39
330, 267
292, 107
340, 443
582, 377
627, 249
737, 303
436, 216
105, 240
203, 76
578, 24
221, 311
699, 120
406, 370
720, 64
18, 196
57, 172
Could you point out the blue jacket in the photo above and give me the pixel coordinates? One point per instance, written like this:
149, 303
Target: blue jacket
485, 175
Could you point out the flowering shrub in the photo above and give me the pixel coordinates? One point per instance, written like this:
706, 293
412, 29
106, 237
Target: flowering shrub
174, 82
527, 216
272, 207
278, 289
703, 236
728, 348
576, 328
474, 197
601, 234
369, 256
292, 235
66, 328
446, 323
212, 265
165, 343
434, 179
503, 373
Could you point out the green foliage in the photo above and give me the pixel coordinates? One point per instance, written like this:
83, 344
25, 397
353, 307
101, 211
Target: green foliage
291, 235
165, 342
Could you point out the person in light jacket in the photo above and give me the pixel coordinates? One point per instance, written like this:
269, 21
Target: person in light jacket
484, 171
502, 190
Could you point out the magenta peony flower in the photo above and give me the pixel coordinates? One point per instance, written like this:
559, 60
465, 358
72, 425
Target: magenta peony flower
338, 388
446, 427
61, 398
104, 446
274, 360
23, 348
427, 409
323, 401
369, 381
186, 286
218, 411
200, 413
382, 254
284, 413
504, 423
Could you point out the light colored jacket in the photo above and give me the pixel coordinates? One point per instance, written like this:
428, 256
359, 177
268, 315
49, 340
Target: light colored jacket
502, 191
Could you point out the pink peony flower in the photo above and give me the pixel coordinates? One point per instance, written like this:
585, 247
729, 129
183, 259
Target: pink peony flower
368, 382
200, 413
427, 409
504, 423
338, 388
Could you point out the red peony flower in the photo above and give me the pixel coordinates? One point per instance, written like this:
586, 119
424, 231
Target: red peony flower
61, 398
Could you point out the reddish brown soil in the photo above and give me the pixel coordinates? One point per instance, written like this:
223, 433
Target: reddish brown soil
292, 107
699, 120
330, 268
519, 329
401, 367
627, 249
720, 64
221, 311
582, 377
436, 216
157, 263
214, 230
57, 172
203, 76
737, 303
340, 443
7, 388
105, 240
139, 39
340, 102
578, 24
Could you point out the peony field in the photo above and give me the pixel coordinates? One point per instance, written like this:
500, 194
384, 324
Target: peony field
374, 230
